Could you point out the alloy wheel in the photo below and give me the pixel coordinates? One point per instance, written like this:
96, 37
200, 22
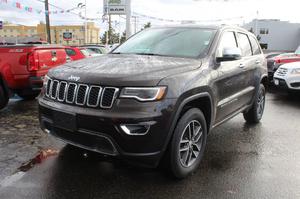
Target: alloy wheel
190, 143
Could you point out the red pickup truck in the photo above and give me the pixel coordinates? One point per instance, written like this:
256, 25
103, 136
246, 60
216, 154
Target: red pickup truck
22, 68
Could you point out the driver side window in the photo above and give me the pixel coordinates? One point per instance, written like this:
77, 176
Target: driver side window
228, 40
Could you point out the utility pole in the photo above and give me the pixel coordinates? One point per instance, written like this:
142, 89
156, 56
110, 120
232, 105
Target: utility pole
109, 28
47, 22
128, 18
85, 24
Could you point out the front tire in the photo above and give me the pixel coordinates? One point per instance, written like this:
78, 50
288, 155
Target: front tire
255, 114
188, 144
3, 97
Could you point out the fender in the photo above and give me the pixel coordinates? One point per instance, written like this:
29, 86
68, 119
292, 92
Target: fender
179, 109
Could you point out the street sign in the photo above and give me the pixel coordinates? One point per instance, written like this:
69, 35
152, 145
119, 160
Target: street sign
67, 36
114, 7
1, 25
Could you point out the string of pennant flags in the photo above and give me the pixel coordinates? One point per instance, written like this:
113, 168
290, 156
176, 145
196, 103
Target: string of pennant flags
30, 9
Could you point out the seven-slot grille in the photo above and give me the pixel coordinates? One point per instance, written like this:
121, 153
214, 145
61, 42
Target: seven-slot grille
81, 94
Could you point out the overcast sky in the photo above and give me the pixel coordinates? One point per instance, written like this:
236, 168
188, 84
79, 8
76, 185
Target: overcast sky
234, 11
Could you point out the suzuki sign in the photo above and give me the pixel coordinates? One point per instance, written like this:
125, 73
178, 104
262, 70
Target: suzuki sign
114, 7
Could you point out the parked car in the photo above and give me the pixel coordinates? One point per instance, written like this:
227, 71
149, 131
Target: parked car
98, 50
22, 68
282, 59
157, 96
77, 53
270, 63
288, 76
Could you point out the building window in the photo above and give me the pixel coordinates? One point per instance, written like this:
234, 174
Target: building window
264, 31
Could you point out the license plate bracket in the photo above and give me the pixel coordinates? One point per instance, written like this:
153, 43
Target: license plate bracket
276, 82
64, 120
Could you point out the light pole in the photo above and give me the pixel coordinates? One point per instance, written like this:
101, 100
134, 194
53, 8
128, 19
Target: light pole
81, 5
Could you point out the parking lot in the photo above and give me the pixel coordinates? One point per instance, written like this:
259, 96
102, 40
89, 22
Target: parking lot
241, 161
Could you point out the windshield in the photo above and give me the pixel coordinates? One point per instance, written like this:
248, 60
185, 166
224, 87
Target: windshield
177, 42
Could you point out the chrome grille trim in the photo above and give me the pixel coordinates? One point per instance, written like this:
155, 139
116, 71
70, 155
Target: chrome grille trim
48, 89
85, 94
64, 97
98, 98
112, 101
54, 97
75, 90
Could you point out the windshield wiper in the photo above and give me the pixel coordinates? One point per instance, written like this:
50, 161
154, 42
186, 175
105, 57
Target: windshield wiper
150, 54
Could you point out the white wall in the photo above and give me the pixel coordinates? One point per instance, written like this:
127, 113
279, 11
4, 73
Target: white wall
283, 36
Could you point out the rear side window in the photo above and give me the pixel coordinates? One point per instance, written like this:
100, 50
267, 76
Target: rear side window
244, 44
255, 47
227, 41
70, 52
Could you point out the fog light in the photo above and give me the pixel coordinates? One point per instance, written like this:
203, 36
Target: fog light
136, 129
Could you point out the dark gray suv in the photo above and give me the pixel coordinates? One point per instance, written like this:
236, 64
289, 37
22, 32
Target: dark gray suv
155, 98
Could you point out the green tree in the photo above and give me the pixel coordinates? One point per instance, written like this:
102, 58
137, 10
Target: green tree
113, 37
147, 25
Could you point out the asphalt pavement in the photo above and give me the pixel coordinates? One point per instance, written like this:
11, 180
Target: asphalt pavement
241, 161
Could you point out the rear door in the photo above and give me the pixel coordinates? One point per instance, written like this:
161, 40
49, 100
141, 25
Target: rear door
248, 66
49, 58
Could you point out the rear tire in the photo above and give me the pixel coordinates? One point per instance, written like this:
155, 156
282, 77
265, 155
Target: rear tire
3, 97
188, 144
255, 114
30, 96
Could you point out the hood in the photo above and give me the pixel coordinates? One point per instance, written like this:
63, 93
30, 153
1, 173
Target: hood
293, 65
124, 69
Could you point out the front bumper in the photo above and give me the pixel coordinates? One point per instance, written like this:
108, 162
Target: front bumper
291, 83
99, 130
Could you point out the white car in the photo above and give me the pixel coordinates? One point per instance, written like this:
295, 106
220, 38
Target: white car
287, 76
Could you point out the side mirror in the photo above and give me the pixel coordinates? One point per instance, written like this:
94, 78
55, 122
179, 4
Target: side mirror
230, 54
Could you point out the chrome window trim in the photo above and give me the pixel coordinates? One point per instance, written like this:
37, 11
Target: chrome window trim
113, 99
64, 97
98, 98
85, 95
75, 90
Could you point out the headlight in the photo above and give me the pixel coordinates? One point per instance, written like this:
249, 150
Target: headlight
295, 71
143, 94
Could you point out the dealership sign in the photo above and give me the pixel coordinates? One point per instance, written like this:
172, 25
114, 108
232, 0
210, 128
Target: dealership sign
67, 36
114, 7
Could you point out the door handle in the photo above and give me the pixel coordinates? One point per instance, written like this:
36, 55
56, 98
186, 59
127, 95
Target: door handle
242, 65
257, 62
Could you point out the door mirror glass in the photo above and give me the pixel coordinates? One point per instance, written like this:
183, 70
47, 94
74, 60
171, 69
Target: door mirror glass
230, 54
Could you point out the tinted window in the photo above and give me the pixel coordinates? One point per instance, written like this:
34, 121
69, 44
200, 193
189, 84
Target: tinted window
244, 44
178, 42
255, 47
70, 52
227, 41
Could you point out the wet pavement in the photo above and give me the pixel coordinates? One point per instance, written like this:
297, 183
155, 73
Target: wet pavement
241, 161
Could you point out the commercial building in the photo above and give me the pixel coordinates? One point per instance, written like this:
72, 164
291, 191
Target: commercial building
65, 35
276, 35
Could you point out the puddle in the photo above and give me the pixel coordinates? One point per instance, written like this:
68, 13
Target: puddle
38, 159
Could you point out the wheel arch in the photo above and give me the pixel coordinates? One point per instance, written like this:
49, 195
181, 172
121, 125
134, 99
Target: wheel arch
190, 102
264, 80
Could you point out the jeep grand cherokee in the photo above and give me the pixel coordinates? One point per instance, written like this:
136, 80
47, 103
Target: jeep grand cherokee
158, 95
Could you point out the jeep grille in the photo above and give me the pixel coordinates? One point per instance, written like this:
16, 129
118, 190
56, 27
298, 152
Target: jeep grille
81, 94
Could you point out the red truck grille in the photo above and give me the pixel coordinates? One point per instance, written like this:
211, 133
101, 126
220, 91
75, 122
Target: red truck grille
81, 94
